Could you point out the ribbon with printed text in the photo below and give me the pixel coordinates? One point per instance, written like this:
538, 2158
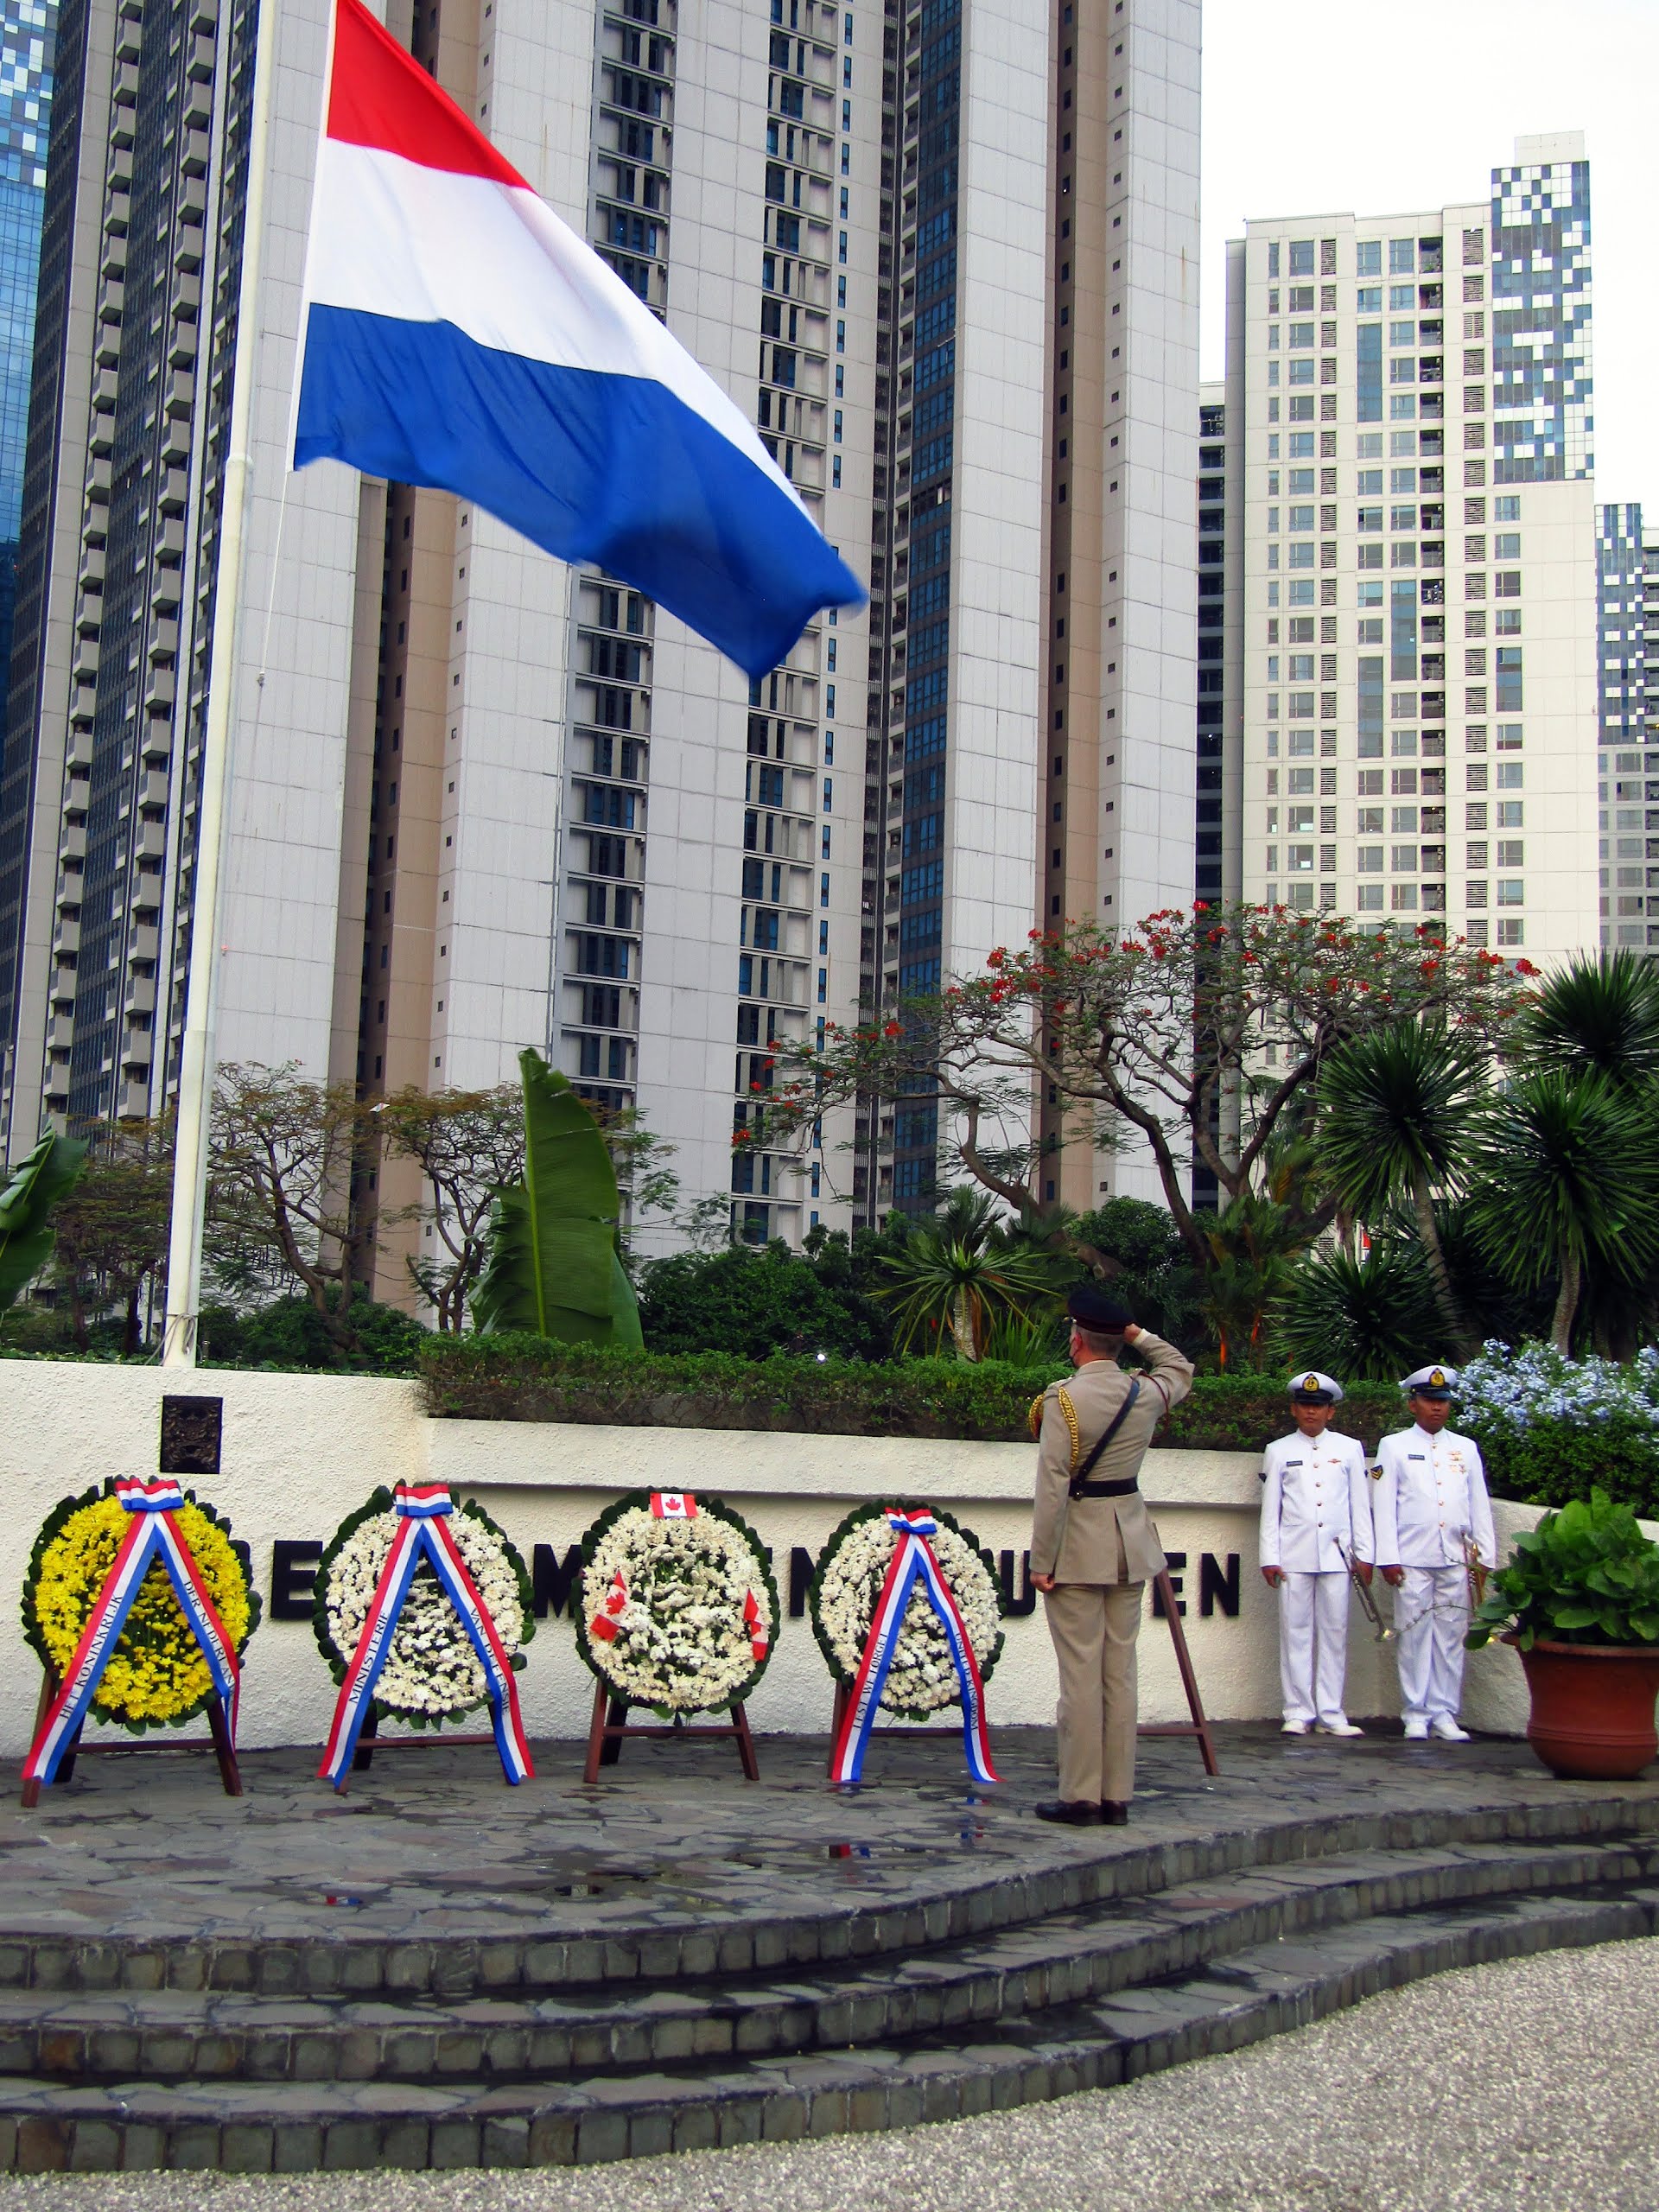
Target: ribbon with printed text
913, 1561
152, 1532
423, 1533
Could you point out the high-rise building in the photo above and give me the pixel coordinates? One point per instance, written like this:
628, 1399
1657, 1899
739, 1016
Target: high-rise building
481, 801
1408, 402
28, 31
1627, 680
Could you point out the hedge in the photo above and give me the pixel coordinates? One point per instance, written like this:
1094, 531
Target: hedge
525, 1378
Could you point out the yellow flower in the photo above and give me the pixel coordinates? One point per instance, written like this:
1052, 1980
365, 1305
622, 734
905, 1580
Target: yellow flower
156, 1671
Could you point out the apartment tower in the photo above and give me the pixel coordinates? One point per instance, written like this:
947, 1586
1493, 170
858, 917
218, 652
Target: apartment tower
940, 253
1407, 450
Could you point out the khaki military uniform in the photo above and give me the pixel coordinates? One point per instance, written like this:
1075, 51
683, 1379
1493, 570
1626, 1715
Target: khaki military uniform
1102, 1551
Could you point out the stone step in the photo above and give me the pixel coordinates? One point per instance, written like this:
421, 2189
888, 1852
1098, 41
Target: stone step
1068, 1958
1072, 1870
251, 2126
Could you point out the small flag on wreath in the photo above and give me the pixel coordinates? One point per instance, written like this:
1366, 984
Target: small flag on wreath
673, 1505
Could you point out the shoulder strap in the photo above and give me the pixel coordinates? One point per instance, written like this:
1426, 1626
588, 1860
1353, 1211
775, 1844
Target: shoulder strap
1080, 1475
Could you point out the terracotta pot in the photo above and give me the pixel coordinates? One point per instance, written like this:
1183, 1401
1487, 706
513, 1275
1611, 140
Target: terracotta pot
1592, 1718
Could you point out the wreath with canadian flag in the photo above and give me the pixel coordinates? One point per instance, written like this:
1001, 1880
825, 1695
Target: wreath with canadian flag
678, 1608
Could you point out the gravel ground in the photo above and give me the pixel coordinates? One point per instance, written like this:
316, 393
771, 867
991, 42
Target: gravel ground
1532, 2083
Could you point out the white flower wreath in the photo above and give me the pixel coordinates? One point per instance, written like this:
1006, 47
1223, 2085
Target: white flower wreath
921, 1678
695, 1612
431, 1670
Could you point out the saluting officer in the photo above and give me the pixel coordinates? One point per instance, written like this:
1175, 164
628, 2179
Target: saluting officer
1093, 1547
1316, 1518
1431, 1512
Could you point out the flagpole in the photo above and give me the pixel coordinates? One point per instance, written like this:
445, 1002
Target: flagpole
196, 1068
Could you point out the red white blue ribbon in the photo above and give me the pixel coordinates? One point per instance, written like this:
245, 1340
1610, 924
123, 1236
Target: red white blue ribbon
423, 1532
913, 1561
152, 1532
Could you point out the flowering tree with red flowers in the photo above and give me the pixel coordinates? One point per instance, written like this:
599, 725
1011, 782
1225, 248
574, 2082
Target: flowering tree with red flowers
1197, 1031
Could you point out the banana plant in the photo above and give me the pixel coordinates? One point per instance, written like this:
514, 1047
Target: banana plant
25, 1204
553, 1267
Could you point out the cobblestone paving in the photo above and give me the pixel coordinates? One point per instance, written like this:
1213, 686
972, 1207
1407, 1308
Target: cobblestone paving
1532, 2083
432, 1845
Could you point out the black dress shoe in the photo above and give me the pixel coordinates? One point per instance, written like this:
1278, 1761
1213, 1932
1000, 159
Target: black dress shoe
1115, 1812
1072, 1812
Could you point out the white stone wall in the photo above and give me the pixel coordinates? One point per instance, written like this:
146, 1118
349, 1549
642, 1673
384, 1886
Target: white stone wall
300, 1451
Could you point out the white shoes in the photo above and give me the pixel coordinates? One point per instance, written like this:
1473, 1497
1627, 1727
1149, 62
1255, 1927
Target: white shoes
1447, 1729
1343, 1727
1417, 1731
1294, 1728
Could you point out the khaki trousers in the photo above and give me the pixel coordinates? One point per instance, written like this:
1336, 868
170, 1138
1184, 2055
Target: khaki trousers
1093, 1626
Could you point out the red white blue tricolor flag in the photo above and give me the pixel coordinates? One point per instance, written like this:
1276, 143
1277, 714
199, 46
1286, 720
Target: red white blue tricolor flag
457, 334
423, 1510
913, 1561
152, 1534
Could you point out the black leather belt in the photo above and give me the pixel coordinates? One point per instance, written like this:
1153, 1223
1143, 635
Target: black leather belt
1106, 1490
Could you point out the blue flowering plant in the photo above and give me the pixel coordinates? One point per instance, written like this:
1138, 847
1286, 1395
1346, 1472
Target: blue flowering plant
1552, 1428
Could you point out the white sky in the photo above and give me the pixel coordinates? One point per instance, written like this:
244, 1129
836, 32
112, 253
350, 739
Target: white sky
1376, 106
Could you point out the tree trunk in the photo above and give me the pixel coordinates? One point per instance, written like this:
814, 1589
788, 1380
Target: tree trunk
1567, 1304
1439, 1273
961, 1325
132, 1337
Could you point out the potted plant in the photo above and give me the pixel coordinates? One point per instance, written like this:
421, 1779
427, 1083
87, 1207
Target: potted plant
1579, 1600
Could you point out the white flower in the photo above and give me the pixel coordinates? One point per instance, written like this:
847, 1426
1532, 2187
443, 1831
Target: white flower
922, 1676
431, 1667
685, 1644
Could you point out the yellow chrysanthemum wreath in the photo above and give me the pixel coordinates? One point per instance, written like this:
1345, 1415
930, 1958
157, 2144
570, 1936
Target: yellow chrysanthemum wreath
156, 1675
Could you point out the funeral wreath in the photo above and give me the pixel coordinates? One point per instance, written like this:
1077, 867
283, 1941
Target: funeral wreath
156, 1676
432, 1673
678, 1608
851, 1570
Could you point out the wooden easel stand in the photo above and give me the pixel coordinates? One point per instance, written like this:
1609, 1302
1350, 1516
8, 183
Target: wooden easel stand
1197, 1726
369, 1741
605, 1734
219, 1727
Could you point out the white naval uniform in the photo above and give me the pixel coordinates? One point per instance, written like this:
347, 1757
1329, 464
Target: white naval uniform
1316, 1499
1431, 1491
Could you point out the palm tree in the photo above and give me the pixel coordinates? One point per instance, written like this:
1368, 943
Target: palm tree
1371, 1319
1566, 1179
1599, 1015
1397, 1110
958, 1274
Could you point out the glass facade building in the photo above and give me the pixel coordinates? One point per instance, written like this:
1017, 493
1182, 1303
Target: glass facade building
1627, 716
28, 29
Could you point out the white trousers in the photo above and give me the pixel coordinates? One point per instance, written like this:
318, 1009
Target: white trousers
1313, 1644
1431, 1617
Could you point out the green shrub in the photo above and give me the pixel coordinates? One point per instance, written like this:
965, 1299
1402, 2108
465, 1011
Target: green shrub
526, 1378
1584, 1575
1554, 1460
289, 1335
752, 1304
1242, 1412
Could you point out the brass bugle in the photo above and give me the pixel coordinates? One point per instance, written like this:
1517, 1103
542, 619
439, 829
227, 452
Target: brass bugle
1368, 1605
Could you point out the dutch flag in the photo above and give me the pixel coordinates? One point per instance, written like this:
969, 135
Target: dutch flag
459, 335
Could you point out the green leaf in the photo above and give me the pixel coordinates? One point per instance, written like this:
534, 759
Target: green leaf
553, 1268
45, 1177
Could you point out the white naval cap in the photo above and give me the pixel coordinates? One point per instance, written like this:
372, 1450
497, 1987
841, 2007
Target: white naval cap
1432, 1382
1314, 1388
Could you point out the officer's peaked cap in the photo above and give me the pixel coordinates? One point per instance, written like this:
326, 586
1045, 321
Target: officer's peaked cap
1090, 1308
1309, 1388
1432, 1382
